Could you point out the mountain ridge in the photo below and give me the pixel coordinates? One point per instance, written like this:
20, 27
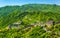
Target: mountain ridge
9, 14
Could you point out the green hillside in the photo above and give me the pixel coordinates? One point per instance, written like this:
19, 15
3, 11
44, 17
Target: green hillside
9, 13
29, 14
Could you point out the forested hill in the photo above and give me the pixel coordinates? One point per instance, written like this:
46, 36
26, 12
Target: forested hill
40, 12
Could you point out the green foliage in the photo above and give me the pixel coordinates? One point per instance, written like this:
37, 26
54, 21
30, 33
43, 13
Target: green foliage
28, 14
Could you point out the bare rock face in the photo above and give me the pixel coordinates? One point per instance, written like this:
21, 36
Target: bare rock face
18, 23
13, 26
50, 22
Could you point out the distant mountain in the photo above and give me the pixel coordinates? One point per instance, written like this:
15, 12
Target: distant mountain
28, 13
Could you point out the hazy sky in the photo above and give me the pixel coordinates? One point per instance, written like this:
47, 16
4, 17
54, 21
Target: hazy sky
22, 2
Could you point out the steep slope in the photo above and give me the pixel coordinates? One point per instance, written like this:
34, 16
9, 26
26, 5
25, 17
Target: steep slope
34, 12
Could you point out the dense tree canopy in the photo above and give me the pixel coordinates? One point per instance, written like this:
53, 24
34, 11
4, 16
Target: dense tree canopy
28, 14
